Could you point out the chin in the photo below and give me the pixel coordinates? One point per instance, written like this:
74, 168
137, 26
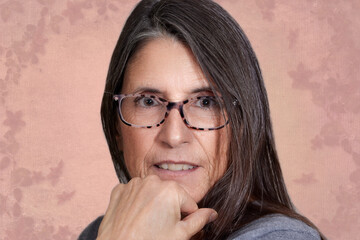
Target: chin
194, 181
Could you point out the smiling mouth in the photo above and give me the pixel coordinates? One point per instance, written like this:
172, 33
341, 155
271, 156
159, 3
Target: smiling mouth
175, 166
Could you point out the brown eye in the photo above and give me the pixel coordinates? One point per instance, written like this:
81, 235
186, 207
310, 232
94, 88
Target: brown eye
206, 102
146, 102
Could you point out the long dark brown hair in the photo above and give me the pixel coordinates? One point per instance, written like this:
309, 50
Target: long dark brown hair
253, 185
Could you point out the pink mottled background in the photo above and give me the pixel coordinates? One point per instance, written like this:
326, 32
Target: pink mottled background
55, 170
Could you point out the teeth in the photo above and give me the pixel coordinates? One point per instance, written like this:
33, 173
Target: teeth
187, 167
175, 167
164, 166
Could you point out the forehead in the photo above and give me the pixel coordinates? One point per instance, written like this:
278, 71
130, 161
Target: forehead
166, 65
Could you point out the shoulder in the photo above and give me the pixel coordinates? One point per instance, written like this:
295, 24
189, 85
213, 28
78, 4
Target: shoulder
276, 227
91, 231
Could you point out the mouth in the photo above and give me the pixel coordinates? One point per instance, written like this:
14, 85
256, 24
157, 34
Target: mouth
175, 167
175, 170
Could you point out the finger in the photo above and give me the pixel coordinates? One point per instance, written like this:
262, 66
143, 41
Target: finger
194, 222
187, 203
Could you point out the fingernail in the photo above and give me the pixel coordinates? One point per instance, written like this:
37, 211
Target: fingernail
213, 216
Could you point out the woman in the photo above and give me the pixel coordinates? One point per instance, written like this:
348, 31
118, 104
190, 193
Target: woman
187, 121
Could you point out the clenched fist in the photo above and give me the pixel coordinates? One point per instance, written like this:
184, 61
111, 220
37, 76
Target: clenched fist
150, 208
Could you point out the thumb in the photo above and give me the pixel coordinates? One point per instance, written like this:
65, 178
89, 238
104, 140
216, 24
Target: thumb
195, 221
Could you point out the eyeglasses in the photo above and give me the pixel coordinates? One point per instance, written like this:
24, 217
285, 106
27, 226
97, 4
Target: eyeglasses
147, 111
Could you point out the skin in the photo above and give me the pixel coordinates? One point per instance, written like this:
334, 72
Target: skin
152, 202
168, 66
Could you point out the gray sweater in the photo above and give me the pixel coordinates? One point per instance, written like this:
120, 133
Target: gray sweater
276, 227
271, 227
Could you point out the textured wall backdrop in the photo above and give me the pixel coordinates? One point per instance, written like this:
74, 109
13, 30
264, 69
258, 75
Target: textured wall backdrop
55, 171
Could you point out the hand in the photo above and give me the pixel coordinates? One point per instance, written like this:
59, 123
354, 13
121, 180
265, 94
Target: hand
150, 208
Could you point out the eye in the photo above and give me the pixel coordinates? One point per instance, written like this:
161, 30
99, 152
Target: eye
207, 102
146, 102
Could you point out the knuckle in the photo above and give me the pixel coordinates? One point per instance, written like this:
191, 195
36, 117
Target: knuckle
115, 192
152, 178
172, 186
170, 190
134, 180
152, 181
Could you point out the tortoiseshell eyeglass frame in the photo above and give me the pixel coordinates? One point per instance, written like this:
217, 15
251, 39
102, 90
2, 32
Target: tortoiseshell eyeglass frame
169, 105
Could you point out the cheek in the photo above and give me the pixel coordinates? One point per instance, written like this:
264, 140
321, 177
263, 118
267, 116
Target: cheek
215, 145
135, 147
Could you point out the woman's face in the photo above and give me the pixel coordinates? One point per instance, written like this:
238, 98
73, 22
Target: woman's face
167, 68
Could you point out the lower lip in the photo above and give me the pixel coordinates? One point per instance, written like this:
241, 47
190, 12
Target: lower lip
168, 174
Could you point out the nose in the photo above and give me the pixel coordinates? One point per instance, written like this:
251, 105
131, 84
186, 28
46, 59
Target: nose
173, 132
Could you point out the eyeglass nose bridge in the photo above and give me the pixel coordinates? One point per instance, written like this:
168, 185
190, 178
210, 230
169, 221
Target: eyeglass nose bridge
179, 106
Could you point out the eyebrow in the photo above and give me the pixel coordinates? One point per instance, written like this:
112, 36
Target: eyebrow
154, 90
202, 89
147, 89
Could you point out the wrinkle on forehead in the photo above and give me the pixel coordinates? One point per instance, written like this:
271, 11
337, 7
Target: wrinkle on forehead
149, 68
